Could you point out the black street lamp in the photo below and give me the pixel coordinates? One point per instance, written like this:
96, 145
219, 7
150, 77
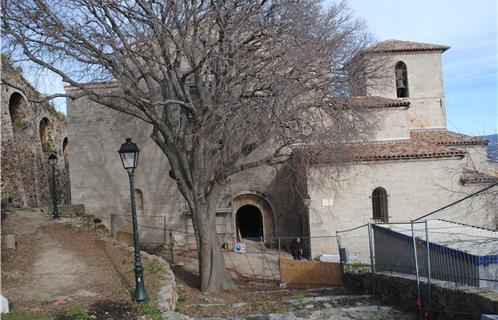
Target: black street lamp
52, 160
129, 157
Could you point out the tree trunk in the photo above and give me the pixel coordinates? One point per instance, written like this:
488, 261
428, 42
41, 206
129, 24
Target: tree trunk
213, 272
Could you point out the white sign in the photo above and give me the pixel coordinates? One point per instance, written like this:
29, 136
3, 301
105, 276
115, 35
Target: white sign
240, 247
327, 202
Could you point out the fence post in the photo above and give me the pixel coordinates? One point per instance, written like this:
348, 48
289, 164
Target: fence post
279, 248
338, 239
112, 227
164, 231
419, 302
428, 263
263, 259
372, 264
171, 244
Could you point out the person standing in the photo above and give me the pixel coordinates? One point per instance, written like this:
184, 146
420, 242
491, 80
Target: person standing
296, 249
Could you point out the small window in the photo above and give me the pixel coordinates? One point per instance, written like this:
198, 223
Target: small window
401, 80
379, 205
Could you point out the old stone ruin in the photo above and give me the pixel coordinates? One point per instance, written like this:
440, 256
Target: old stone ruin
31, 131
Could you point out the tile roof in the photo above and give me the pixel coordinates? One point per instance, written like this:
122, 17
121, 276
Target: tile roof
373, 102
447, 138
423, 144
404, 46
471, 176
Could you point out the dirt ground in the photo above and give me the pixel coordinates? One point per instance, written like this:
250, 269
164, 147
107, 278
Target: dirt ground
63, 266
257, 298
65, 262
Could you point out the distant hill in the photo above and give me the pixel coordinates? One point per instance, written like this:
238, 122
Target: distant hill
492, 146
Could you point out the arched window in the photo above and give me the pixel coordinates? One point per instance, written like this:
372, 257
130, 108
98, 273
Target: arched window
17, 111
47, 142
379, 205
65, 151
139, 199
401, 80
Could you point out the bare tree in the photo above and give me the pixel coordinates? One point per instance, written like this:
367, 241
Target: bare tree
226, 85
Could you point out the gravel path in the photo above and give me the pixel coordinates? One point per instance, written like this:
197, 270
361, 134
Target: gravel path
57, 262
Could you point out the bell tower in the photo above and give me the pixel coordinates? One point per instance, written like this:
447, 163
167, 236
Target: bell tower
410, 71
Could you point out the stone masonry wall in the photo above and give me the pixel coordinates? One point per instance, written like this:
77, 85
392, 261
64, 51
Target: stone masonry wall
414, 188
448, 302
425, 84
31, 131
99, 181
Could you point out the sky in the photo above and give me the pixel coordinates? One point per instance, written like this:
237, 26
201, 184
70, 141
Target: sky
469, 67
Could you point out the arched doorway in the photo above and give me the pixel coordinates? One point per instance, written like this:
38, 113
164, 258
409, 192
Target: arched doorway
253, 206
249, 222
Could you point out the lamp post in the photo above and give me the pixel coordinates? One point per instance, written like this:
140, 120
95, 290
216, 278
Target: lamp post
129, 157
52, 160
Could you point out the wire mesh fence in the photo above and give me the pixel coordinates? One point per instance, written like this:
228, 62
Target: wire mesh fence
438, 254
256, 258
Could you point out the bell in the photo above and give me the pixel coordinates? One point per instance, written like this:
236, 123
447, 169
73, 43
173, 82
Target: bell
400, 84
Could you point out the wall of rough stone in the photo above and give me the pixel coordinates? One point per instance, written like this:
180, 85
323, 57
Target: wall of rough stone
450, 302
26, 179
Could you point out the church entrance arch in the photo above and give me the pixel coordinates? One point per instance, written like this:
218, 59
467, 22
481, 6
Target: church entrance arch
254, 216
249, 222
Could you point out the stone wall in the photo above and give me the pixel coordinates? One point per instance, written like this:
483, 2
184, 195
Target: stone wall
99, 181
448, 302
425, 83
31, 131
391, 123
414, 188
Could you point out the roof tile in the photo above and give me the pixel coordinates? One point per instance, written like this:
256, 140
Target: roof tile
405, 46
421, 145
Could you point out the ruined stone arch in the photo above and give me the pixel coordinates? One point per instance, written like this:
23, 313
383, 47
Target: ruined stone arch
18, 110
65, 151
257, 202
46, 138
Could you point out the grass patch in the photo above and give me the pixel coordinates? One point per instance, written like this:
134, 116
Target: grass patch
257, 305
300, 300
76, 312
25, 315
150, 311
153, 267
179, 304
278, 309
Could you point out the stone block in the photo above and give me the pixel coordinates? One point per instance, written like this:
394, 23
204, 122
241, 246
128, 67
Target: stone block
10, 241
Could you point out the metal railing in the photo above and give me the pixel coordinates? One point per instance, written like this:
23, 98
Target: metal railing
258, 258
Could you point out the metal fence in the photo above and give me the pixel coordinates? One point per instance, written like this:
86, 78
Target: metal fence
438, 254
254, 258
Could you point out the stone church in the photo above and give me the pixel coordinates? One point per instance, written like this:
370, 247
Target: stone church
411, 166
